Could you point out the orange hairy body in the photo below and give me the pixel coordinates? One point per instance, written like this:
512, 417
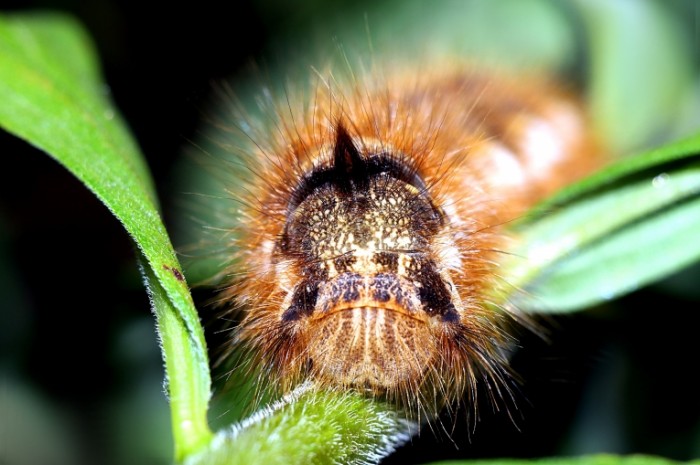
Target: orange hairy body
374, 225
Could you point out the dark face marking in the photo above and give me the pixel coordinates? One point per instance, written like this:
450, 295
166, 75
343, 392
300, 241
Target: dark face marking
387, 286
349, 285
303, 301
351, 172
360, 230
433, 293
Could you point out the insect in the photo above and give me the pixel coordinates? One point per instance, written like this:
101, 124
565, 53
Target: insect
373, 216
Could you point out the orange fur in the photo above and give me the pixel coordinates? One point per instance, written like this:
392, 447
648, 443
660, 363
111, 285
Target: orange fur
486, 146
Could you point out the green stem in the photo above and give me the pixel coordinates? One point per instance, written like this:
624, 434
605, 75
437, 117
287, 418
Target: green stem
187, 386
311, 427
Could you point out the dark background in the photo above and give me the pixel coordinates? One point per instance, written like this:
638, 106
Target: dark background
77, 337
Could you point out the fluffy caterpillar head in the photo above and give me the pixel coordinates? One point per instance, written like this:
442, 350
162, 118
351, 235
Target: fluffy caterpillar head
369, 243
360, 289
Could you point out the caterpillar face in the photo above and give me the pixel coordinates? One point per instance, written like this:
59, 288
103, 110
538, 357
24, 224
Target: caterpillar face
375, 222
371, 303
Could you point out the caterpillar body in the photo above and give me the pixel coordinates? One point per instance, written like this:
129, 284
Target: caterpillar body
373, 222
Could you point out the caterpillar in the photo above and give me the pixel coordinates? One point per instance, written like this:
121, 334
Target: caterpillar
371, 220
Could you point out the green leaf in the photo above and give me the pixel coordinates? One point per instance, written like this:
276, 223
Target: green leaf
183, 383
601, 459
52, 97
311, 427
624, 227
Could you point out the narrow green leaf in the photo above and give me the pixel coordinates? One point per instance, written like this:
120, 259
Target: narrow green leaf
621, 229
627, 168
53, 98
181, 362
601, 459
311, 427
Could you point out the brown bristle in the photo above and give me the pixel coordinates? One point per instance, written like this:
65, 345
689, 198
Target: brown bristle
375, 223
